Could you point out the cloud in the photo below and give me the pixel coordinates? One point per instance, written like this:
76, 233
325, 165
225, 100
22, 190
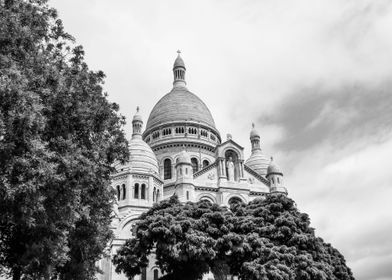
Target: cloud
346, 190
315, 76
340, 116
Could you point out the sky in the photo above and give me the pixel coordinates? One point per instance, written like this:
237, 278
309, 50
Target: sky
314, 76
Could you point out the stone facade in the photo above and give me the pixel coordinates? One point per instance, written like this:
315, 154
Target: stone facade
182, 152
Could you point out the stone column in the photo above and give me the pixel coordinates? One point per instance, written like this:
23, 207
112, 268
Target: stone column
150, 187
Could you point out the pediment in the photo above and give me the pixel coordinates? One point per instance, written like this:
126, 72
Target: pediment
230, 145
208, 174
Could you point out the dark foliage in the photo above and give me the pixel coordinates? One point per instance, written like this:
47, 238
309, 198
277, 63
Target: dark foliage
59, 136
265, 239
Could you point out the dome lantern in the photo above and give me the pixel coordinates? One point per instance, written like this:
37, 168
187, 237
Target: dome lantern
137, 124
254, 139
179, 71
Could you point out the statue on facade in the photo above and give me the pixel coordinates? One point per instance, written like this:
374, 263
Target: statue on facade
230, 169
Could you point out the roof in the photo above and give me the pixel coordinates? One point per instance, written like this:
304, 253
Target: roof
273, 168
141, 157
258, 162
183, 157
180, 105
179, 62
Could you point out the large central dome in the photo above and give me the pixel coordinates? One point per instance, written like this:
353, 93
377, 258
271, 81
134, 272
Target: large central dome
181, 119
180, 105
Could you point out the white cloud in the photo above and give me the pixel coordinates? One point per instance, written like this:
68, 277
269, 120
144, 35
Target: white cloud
245, 59
347, 194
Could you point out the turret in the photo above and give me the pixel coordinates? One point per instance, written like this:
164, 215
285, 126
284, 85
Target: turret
184, 186
275, 177
137, 182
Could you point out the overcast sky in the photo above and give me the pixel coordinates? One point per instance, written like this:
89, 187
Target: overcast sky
315, 77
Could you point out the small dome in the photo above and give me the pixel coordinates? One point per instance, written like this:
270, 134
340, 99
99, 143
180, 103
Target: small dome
179, 62
141, 157
258, 162
183, 158
137, 116
254, 132
273, 168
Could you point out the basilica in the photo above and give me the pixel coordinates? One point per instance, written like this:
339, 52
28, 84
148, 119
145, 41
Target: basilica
181, 152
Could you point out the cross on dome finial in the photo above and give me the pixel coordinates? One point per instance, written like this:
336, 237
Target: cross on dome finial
178, 51
253, 125
137, 109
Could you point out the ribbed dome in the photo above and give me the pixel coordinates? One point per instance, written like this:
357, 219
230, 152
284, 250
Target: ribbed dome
258, 162
141, 157
177, 106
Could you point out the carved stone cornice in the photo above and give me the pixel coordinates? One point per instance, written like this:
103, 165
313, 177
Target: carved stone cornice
255, 174
252, 193
206, 189
204, 170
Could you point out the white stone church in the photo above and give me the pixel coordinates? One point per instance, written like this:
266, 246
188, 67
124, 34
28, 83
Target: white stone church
181, 151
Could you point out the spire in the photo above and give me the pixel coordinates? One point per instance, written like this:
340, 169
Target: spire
179, 71
255, 139
137, 124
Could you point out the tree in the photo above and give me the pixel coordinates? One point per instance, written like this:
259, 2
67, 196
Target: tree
265, 239
182, 237
278, 243
59, 136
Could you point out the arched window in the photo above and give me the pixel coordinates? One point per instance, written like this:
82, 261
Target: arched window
124, 191
205, 163
158, 196
195, 165
206, 198
118, 192
143, 192
167, 131
272, 178
187, 195
167, 169
277, 178
155, 274
154, 194
136, 194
